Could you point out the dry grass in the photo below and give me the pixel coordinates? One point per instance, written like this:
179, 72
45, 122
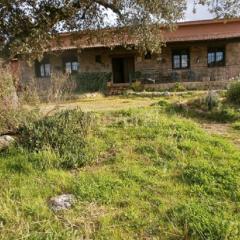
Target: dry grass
100, 103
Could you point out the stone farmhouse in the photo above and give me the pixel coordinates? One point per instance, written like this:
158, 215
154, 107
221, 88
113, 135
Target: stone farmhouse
198, 54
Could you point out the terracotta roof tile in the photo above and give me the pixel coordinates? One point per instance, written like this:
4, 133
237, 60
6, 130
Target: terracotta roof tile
205, 30
185, 32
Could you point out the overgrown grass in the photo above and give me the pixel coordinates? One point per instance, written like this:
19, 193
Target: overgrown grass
152, 175
218, 110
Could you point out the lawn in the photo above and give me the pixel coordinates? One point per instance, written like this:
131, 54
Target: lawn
152, 174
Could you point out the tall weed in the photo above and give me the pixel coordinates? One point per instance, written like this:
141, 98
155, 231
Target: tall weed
233, 93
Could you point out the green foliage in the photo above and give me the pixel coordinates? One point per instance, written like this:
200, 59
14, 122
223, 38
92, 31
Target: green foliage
204, 221
178, 87
92, 82
236, 125
137, 86
155, 175
65, 133
212, 180
12, 119
233, 93
209, 107
35, 41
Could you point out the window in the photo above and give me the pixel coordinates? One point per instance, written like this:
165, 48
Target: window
180, 59
43, 68
71, 64
216, 57
98, 59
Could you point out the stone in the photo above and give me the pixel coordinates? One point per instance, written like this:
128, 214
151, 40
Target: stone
166, 94
61, 202
6, 141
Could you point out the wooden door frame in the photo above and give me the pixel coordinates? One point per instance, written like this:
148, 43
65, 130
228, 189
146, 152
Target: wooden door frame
123, 56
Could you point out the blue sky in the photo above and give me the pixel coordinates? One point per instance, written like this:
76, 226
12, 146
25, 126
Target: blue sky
202, 12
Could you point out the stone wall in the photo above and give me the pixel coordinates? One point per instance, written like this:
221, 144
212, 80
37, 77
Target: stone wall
158, 68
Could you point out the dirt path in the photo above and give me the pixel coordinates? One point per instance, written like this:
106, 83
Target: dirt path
121, 103
100, 104
224, 130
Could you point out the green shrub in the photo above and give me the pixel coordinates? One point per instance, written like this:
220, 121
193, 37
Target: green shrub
65, 133
233, 93
178, 87
226, 114
137, 86
92, 82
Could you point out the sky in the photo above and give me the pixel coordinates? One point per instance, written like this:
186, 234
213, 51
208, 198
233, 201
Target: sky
202, 12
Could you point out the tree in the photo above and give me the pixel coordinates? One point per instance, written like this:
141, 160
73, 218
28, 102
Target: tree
27, 26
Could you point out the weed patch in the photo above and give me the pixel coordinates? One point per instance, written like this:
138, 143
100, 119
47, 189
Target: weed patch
203, 221
65, 133
217, 181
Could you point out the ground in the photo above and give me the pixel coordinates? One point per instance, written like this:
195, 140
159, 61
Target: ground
103, 104
100, 103
154, 174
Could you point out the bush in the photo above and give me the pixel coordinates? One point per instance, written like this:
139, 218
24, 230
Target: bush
137, 86
178, 87
65, 133
91, 82
233, 93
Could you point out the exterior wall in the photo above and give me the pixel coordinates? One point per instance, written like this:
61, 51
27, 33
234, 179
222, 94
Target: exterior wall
158, 68
88, 63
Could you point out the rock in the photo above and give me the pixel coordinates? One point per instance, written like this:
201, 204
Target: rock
167, 94
61, 202
6, 141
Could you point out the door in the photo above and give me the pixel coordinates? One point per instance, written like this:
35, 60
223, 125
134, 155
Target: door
123, 69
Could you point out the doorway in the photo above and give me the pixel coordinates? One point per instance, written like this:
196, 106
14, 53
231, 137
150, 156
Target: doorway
123, 69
